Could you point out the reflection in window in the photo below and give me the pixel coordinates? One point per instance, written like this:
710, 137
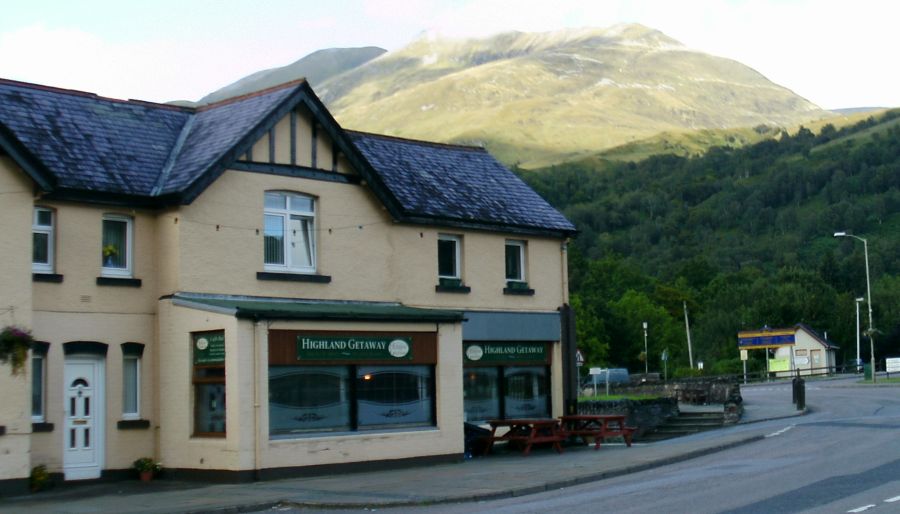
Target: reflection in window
526, 392
209, 410
308, 398
481, 393
393, 396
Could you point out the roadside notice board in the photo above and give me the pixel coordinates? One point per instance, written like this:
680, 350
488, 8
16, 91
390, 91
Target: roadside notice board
892, 364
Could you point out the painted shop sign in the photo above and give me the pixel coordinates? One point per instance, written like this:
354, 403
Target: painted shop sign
765, 338
209, 347
315, 347
505, 352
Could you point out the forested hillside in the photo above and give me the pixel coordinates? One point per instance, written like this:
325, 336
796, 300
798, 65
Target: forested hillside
744, 236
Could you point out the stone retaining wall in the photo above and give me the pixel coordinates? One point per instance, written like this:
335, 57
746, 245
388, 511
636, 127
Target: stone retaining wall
645, 415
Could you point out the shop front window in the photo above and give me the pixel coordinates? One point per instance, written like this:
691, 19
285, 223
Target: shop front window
308, 399
481, 393
526, 392
394, 396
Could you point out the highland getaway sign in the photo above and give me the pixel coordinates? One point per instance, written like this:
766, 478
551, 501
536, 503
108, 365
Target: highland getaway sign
505, 352
315, 347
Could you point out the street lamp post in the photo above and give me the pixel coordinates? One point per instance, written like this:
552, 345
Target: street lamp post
871, 330
858, 360
646, 354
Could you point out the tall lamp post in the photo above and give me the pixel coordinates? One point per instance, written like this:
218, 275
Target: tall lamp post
646, 355
871, 330
858, 360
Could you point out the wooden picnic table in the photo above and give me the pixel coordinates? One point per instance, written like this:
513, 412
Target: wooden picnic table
527, 431
598, 426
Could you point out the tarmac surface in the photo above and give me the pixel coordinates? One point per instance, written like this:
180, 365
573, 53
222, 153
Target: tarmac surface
499, 475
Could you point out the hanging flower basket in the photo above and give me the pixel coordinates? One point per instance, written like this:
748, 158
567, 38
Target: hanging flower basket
14, 345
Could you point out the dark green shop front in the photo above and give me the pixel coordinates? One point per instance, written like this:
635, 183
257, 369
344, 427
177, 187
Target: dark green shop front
506, 380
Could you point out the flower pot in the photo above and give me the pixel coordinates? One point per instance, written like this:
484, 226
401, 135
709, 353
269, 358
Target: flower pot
146, 476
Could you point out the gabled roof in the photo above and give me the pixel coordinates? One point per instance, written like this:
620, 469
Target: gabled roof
80, 146
815, 335
457, 185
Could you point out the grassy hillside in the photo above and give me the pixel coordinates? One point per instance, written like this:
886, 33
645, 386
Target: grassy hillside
316, 68
536, 99
744, 235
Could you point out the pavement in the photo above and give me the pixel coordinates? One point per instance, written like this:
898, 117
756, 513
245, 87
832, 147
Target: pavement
499, 475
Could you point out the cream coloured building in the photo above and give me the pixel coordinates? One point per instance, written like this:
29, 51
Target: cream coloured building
247, 290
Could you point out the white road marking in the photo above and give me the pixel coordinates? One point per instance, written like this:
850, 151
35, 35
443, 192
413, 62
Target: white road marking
783, 430
892, 500
863, 508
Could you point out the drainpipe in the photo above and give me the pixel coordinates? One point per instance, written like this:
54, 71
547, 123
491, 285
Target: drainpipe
257, 458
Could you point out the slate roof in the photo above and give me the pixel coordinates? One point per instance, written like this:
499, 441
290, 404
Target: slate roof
456, 183
82, 146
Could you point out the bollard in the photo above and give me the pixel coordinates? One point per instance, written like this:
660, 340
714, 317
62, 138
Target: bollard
794, 389
801, 394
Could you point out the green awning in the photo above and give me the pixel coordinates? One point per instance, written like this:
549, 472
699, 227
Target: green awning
292, 309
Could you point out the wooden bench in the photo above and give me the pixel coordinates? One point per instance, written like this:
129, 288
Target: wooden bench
597, 426
528, 432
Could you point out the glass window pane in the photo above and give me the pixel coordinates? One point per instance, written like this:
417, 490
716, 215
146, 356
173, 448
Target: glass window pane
273, 240
209, 408
481, 394
37, 386
513, 262
447, 258
130, 386
301, 203
115, 244
308, 399
301, 242
526, 392
394, 396
276, 201
40, 253
43, 217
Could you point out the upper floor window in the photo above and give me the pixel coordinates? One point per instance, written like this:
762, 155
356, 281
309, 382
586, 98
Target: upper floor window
42, 240
116, 250
449, 256
515, 261
290, 240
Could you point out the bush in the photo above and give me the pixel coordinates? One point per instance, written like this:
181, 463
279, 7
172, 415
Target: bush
687, 372
39, 479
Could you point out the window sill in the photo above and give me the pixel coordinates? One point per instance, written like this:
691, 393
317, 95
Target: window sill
47, 277
120, 282
460, 289
41, 427
133, 424
293, 277
518, 291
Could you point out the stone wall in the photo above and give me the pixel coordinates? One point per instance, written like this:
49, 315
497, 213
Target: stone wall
696, 390
645, 415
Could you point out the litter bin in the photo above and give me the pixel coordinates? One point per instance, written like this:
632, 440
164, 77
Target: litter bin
867, 371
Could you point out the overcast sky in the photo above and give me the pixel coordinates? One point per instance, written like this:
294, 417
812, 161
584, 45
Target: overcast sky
834, 53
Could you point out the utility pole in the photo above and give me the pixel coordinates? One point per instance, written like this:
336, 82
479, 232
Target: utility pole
687, 328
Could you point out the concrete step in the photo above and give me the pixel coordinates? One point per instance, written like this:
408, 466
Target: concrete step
685, 423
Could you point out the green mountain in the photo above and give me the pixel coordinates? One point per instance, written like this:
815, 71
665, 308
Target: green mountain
316, 68
540, 98
743, 235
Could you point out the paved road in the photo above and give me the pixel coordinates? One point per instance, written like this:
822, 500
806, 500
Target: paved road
843, 457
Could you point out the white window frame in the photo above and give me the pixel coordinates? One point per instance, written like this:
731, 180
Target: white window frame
44, 267
40, 418
522, 245
137, 387
285, 215
457, 264
129, 247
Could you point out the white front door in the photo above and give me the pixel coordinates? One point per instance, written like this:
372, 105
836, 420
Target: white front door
83, 439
